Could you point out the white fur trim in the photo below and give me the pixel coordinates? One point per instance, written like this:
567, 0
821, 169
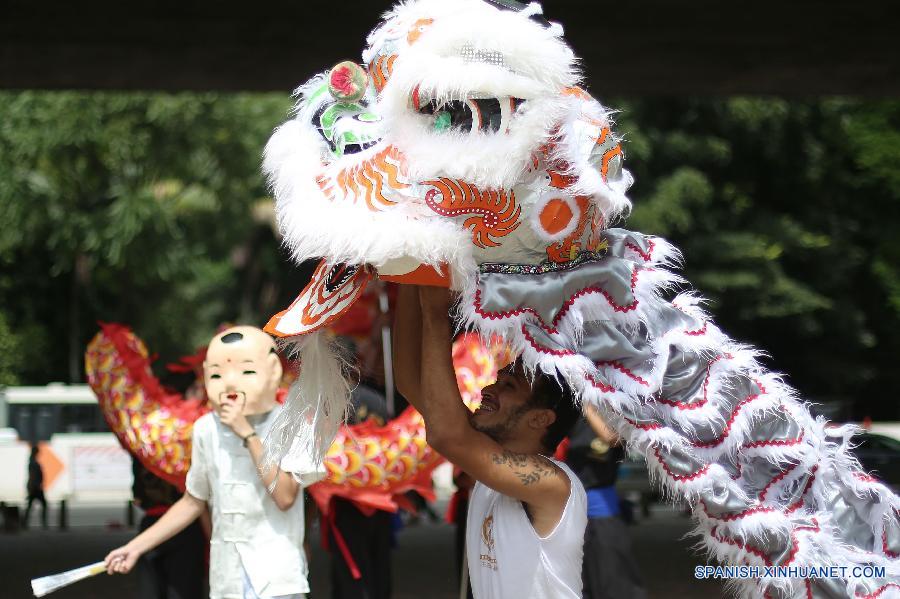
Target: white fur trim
314, 226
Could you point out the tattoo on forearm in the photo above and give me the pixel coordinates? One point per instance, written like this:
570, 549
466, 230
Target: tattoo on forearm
529, 468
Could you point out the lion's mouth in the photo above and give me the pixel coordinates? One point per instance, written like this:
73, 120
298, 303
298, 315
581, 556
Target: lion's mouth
488, 115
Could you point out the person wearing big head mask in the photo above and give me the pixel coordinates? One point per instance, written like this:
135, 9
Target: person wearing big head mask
256, 548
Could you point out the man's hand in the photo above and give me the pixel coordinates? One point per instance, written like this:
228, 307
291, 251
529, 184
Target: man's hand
122, 560
530, 478
407, 344
231, 413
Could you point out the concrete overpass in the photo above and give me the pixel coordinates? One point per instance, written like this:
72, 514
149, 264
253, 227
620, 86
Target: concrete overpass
652, 47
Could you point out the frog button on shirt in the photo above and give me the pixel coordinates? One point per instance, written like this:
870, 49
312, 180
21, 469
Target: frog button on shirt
251, 537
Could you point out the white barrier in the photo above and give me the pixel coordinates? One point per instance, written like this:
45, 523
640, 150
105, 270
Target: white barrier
81, 468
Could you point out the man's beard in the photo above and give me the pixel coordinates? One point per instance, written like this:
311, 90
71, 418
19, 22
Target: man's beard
502, 431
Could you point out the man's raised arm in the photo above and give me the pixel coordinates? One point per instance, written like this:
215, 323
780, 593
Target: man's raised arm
407, 344
528, 477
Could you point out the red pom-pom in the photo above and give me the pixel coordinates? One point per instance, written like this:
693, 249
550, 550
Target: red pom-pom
347, 82
342, 80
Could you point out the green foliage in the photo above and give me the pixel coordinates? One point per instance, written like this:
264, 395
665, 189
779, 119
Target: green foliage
126, 207
10, 354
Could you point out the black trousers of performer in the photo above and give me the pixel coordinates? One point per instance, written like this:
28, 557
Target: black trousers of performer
176, 569
609, 570
459, 545
369, 540
39, 497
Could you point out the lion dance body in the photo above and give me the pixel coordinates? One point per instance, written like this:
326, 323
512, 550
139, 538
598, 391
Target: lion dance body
463, 152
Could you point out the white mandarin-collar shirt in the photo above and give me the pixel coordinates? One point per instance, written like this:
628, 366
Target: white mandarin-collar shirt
249, 532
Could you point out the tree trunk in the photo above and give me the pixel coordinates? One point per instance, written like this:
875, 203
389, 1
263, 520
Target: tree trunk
74, 333
81, 275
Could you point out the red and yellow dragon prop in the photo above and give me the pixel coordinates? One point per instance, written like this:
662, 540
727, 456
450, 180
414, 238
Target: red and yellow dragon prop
370, 464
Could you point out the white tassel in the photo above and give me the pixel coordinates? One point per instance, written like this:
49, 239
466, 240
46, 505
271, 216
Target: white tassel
315, 406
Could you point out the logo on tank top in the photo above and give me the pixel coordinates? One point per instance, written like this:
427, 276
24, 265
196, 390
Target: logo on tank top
487, 538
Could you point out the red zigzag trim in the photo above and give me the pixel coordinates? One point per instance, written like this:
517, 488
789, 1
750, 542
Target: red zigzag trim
884, 544
734, 413
795, 543
679, 477
762, 497
880, 590
621, 368
599, 385
566, 306
699, 404
652, 426
699, 332
776, 479
648, 255
775, 442
559, 353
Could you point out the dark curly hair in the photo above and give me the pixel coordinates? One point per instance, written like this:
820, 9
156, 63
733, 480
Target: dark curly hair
554, 393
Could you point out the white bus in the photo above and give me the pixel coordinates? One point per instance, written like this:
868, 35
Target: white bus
82, 460
37, 413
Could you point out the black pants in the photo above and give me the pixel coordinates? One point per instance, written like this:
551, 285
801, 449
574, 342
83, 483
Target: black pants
39, 497
462, 512
369, 540
609, 570
175, 569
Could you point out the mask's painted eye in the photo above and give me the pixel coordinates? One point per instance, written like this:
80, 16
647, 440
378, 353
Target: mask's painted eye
215, 376
249, 372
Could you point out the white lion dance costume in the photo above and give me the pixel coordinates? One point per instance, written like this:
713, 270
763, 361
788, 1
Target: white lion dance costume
463, 153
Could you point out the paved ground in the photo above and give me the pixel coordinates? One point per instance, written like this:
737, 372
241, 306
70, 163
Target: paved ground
423, 561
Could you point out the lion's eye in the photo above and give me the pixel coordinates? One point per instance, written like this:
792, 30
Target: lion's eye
484, 114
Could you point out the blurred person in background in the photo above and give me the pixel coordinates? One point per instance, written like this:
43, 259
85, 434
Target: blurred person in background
176, 568
457, 513
361, 569
35, 488
609, 570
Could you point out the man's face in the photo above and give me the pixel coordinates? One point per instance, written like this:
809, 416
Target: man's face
503, 404
241, 368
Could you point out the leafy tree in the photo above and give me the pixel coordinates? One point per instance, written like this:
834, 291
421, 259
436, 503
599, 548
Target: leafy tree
10, 354
131, 207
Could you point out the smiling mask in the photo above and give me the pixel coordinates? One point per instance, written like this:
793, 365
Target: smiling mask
241, 366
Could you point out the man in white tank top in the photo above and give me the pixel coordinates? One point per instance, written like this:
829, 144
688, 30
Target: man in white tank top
528, 512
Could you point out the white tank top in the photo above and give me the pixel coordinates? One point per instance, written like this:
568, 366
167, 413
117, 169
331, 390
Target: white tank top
508, 560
